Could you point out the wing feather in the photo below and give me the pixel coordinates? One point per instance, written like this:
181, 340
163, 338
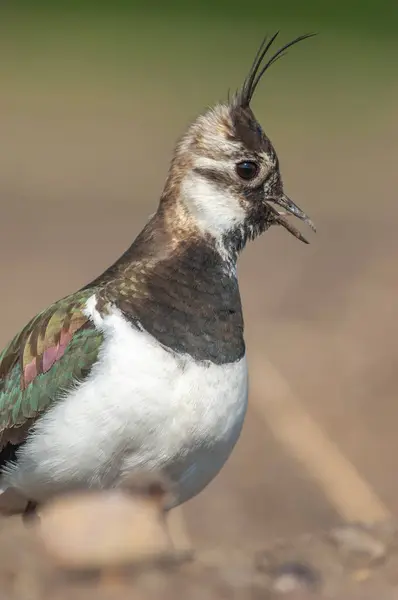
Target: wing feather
56, 348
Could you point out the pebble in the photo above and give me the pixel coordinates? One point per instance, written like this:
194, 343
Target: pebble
109, 529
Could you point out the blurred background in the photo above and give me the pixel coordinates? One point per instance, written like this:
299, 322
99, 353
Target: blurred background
94, 96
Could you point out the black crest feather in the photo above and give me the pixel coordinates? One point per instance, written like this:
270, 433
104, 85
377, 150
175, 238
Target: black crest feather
259, 67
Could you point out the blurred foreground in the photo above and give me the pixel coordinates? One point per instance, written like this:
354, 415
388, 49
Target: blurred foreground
119, 543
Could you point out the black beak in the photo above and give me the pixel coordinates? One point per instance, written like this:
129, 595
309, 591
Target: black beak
289, 208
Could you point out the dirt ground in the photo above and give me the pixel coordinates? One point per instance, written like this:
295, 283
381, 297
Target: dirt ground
319, 444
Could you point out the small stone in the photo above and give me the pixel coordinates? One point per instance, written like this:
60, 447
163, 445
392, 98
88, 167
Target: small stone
358, 545
295, 576
108, 529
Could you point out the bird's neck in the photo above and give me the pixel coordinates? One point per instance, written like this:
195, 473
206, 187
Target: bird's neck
172, 243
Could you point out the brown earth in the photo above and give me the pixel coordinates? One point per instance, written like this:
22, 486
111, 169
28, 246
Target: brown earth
117, 544
319, 444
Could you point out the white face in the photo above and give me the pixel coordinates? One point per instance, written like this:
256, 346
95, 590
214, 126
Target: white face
221, 191
216, 208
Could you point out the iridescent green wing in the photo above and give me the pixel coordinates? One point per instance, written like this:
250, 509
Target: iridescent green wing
57, 348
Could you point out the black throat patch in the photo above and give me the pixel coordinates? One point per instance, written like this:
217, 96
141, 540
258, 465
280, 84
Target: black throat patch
188, 300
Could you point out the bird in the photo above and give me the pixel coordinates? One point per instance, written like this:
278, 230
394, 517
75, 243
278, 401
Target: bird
144, 369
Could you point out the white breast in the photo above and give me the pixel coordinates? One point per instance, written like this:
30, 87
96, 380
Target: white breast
141, 407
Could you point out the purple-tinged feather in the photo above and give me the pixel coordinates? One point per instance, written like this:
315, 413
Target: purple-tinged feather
49, 358
30, 372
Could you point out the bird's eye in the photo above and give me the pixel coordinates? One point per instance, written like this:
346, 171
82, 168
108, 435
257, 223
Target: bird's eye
247, 169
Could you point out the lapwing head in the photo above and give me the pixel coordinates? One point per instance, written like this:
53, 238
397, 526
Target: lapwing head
225, 171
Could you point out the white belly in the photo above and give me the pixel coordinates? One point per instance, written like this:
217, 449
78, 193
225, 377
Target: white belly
141, 407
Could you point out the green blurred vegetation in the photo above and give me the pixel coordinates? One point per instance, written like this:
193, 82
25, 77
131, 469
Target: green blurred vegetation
107, 53
375, 16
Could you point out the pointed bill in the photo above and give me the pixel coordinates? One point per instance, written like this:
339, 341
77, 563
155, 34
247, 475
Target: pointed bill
295, 210
289, 208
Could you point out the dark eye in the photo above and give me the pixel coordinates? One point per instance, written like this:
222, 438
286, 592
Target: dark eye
247, 169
